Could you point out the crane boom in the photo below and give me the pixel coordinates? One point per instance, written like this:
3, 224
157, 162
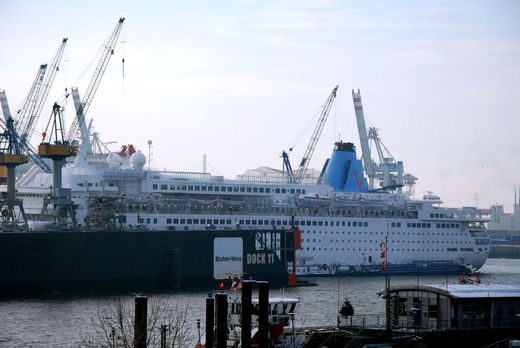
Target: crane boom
27, 109
26, 129
304, 164
5, 105
363, 137
94, 82
22, 116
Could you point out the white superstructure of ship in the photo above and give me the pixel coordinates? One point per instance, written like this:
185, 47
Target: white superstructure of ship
344, 223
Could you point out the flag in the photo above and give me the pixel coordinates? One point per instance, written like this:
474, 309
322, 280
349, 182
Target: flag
237, 285
383, 265
383, 254
221, 285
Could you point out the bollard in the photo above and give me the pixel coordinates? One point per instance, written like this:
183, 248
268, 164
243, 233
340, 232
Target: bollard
247, 288
141, 304
222, 324
263, 309
210, 321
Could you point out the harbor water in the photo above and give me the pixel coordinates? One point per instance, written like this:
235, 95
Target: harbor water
58, 320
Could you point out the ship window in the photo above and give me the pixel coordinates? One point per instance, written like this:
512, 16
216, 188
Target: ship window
431, 215
260, 222
203, 221
175, 221
242, 189
428, 225
195, 221
284, 190
266, 222
365, 224
253, 222
183, 221
228, 222
393, 224
408, 225
320, 223
223, 188
172, 187
217, 188
204, 188
235, 188
222, 221
277, 190
248, 222
184, 187
210, 188
343, 223
327, 223
414, 225
190, 188
267, 190
298, 191
188, 221
168, 221
278, 222
215, 221
303, 191
354, 223
154, 187
229, 189
314, 223
261, 190
292, 191
164, 187
398, 224
284, 223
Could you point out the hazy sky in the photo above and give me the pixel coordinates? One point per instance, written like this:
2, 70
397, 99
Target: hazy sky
243, 80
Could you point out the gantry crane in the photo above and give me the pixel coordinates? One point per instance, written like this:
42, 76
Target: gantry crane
388, 171
79, 121
57, 150
304, 164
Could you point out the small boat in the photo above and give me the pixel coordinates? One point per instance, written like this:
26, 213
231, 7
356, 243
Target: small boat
281, 310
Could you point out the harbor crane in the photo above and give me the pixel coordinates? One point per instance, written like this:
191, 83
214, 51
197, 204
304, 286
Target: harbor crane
301, 171
388, 171
11, 156
57, 150
79, 121
22, 143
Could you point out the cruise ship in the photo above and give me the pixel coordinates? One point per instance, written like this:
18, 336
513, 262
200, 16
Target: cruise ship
344, 224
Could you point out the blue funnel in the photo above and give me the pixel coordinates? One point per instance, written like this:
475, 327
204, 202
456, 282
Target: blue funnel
345, 171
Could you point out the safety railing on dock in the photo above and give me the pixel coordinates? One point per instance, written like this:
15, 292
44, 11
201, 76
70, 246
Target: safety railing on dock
375, 321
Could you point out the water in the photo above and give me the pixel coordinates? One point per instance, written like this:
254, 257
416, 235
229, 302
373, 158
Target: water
60, 321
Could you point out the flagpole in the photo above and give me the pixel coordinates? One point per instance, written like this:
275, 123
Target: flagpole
387, 287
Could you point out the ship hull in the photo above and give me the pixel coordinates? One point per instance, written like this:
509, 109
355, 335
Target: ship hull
134, 261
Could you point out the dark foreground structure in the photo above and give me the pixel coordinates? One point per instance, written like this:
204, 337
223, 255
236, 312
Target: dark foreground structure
73, 261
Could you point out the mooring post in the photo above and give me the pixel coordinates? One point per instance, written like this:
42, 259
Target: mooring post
141, 314
222, 325
210, 321
247, 289
263, 309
